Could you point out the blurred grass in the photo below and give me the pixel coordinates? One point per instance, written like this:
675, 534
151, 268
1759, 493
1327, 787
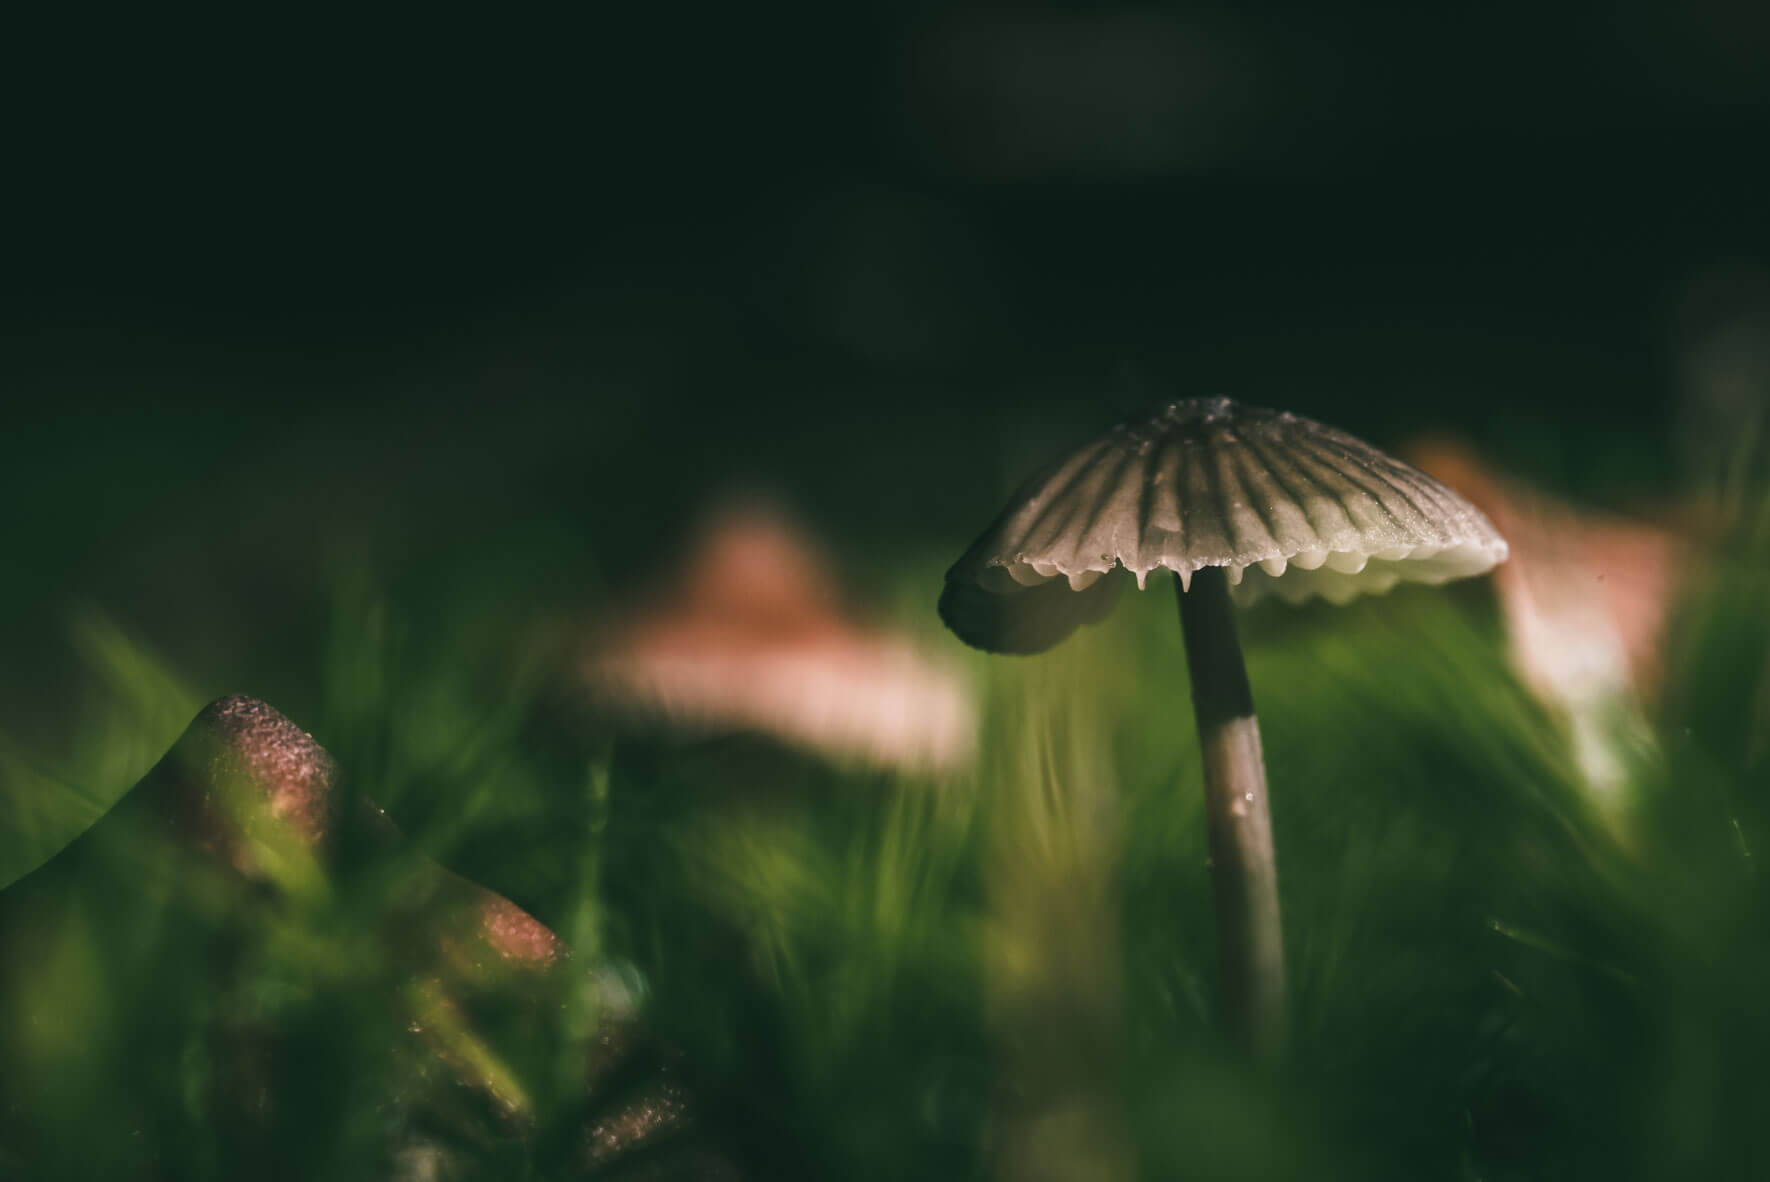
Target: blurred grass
868, 975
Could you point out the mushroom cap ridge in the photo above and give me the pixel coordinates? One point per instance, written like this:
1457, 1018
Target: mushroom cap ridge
1283, 503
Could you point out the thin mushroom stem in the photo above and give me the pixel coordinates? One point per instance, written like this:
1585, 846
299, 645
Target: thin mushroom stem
1244, 869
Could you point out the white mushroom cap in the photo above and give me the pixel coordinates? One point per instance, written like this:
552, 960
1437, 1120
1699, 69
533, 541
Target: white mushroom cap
1281, 502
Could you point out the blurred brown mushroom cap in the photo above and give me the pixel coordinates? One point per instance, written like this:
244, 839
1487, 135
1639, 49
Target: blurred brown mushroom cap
243, 780
1585, 595
1585, 600
751, 637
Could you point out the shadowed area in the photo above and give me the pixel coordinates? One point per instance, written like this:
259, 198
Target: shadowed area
375, 368
234, 843
1028, 621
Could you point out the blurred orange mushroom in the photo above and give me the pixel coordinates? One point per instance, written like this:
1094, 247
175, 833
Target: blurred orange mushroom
1585, 599
753, 638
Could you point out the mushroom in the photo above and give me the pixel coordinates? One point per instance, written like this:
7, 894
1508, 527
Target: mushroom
1229, 498
250, 805
244, 788
255, 797
752, 637
1585, 599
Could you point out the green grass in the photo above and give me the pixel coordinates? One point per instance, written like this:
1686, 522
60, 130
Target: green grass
870, 975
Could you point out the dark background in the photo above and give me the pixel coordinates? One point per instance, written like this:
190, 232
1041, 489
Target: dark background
272, 284
369, 366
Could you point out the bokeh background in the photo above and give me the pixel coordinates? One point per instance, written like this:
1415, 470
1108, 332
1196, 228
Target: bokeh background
372, 366
849, 252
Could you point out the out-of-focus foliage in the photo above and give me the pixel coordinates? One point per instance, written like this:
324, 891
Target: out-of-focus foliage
1007, 971
368, 373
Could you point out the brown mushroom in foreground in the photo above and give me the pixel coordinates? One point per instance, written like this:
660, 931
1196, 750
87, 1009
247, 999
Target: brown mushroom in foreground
246, 805
1235, 501
256, 796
